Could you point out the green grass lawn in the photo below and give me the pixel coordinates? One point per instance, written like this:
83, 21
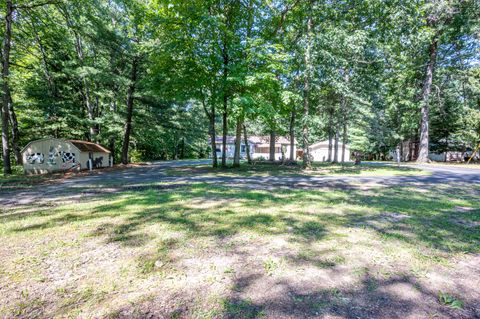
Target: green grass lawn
18, 179
206, 251
317, 169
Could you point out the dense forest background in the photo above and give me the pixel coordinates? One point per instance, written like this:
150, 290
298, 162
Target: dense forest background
154, 79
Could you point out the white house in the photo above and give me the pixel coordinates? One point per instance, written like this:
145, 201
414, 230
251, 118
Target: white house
319, 151
230, 148
259, 147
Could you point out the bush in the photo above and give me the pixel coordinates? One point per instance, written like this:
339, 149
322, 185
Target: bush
136, 156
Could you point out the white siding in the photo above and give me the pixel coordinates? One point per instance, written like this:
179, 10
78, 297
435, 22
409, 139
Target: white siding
50, 155
319, 152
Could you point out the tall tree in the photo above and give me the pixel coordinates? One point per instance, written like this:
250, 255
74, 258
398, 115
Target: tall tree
7, 100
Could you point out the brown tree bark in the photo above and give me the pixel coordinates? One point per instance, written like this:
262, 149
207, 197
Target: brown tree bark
292, 136
225, 104
15, 132
426, 89
7, 40
330, 135
272, 146
130, 102
344, 140
213, 143
247, 145
344, 108
213, 136
335, 147
238, 141
224, 132
306, 93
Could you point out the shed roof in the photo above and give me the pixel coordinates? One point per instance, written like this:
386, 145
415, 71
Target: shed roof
85, 146
82, 146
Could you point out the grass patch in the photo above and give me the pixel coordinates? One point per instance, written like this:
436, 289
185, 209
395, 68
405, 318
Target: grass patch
19, 180
317, 169
450, 301
165, 250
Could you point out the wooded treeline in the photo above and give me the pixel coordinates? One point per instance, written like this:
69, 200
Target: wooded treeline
155, 79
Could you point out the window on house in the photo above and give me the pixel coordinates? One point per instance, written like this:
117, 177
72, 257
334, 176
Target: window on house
243, 148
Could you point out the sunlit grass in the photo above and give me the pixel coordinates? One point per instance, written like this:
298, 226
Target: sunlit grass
317, 169
109, 251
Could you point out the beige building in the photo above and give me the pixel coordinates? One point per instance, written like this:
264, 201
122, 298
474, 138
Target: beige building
51, 155
259, 147
319, 152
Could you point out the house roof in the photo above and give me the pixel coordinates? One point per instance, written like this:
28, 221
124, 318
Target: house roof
265, 139
256, 139
230, 139
85, 146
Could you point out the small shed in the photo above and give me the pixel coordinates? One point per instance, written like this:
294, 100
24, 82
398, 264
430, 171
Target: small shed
319, 151
52, 155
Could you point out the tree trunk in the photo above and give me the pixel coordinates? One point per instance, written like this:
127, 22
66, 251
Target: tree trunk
344, 141
344, 116
225, 103
247, 145
426, 89
272, 146
211, 129
175, 148
48, 76
335, 150
130, 100
292, 136
85, 86
330, 146
213, 136
224, 132
182, 149
112, 149
344, 124
306, 93
330, 135
238, 141
7, 169
15, 133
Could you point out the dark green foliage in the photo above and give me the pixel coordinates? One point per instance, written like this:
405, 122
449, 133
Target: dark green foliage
71, 65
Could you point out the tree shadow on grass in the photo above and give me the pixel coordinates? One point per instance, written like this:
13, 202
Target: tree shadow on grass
401, 214
397, 297
426, 218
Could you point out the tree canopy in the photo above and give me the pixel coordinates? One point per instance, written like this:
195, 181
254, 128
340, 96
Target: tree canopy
158, 79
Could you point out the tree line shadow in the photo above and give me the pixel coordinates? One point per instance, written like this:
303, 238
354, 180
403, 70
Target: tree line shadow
400, 213
396, 297
417, 218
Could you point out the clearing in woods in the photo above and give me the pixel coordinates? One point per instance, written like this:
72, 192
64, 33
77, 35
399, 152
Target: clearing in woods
181, 240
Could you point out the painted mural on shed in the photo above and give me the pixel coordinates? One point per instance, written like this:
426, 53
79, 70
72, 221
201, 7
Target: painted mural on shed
51, 155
